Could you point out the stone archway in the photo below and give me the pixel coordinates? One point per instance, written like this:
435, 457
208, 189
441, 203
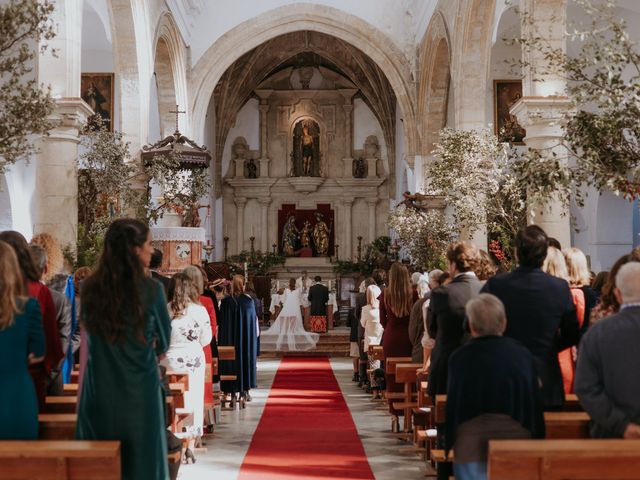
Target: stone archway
252, 33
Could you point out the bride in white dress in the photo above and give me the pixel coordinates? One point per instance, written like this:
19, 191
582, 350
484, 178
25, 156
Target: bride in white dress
287, 334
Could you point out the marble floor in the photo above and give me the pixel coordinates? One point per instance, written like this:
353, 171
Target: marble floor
389, 457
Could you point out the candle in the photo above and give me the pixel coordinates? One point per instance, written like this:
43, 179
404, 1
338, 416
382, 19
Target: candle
277, 284
329, 284
252, 231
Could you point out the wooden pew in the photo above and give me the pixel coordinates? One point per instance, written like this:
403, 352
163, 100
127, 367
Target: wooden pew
59, 460
64, 404
178, 377
57, 426
406, 374
390, 368
227, 353
564, 459
70, 389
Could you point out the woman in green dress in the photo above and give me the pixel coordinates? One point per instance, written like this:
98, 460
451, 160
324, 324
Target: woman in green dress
21, 342
128, 326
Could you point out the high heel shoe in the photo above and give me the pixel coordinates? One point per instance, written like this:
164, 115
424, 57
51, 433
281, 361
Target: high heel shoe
355, 377
233, 402
189, 457
395, 424
243, 401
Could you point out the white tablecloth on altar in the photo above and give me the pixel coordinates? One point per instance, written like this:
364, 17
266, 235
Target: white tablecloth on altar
332, 301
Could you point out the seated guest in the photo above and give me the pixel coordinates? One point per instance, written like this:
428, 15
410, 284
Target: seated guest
40, 372
21, 342
607, 381
125, 319
493, 390
156, 263
540, 311
446, 312
63, 318
190, 332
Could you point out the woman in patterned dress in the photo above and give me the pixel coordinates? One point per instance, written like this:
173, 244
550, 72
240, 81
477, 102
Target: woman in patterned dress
190, 332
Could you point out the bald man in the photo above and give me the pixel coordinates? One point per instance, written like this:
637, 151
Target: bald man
607, 380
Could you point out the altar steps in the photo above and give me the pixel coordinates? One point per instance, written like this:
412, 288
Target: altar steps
294, 267
335, 343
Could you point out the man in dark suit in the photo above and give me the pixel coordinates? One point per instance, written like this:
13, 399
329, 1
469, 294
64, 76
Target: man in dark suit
445, 316
607, 381
540, 311
318, 298
154, 264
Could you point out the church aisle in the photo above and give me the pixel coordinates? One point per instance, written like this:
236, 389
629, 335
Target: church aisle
306, 430
389, 457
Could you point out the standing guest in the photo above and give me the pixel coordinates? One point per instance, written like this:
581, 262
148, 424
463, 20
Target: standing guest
427, 342
415, 279
40, 372
380, 277
318, 296
63, 318
74, 286
125, 317
609, 303
251, 291
486, 267
156, 263
395, 307
445, 319
370, 321
598, 282
607, 381
237, 328
21, 342
540, 311
416, 320
190, 332
493, 390
580, 278
554, 242
555, 265
55, 256
360, 302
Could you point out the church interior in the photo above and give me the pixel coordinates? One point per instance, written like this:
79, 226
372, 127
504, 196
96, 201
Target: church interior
298, 149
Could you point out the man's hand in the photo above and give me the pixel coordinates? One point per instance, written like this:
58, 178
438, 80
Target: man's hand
632, 431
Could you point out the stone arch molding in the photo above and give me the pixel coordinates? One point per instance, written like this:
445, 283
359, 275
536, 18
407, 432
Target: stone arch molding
434, 85
303, 16
170, 65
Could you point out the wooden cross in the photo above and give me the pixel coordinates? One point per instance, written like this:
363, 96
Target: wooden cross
177, 111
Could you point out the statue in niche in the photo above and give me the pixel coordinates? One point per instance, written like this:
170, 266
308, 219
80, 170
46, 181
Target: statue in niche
251, 169
305, 156
290, 236
321, 234
371, 147
359, 168
305, 235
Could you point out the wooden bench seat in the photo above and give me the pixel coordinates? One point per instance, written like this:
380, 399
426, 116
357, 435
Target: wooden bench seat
59, 460
57, 426
64, 404
564, 459
70, 389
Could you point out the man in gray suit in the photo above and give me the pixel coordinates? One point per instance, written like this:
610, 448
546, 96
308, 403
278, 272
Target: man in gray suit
607, 381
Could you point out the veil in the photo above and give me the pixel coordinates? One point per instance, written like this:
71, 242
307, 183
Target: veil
287, 334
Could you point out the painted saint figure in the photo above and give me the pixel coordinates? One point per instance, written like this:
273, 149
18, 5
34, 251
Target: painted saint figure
321, 236
290, 236
307, 152
305, 235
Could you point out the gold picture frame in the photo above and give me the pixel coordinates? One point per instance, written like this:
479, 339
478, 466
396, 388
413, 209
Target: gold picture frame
505, 94
97, 90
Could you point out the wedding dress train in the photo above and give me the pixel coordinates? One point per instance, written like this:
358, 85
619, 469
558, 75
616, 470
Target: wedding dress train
287, 334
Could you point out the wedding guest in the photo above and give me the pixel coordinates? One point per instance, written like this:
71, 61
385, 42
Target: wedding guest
190, 332
445, 319
370, 321
63, 284
55, 256
493, 391
427, 342
154, 265
21, 342
540, 311
598, 282
607, 381
236, 328
40, 372
360, 302
250, 289
380, 277
124, 314
609, 303
486, 267
63, 318
416, 320
580, 278
395, 307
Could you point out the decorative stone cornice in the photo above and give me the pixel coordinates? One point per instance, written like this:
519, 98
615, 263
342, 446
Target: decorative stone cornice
547, 111
69, 116
253, 185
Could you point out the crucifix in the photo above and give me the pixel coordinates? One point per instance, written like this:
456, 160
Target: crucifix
177, 111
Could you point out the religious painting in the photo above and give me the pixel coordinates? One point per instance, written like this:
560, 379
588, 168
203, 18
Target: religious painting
305, 156
505, 94
306, 233
97, 90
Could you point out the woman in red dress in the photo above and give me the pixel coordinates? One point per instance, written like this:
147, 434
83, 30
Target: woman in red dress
396, 302
40, 372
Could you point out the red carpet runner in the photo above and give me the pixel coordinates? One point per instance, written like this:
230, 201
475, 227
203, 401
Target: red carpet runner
306, 429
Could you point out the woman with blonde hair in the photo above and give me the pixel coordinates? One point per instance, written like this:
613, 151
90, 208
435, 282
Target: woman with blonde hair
190, 332
21, 343
580, 277
556, 265
237, 326
395, 307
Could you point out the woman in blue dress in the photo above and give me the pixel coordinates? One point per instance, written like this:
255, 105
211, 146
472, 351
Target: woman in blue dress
127, 322
21, 342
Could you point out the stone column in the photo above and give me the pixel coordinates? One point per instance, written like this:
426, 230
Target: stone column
264, 226
240, 204
56, 200
348, 110
372, 203
264, 147
347, 106
543, 107
347, 203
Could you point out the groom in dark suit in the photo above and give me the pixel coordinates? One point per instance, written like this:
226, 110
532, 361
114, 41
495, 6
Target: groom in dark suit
318, 297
